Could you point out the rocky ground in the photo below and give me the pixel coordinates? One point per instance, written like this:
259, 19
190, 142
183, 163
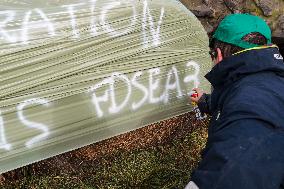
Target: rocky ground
210, 12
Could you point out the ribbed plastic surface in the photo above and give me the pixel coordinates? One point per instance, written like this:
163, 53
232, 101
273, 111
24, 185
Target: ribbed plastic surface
76, 72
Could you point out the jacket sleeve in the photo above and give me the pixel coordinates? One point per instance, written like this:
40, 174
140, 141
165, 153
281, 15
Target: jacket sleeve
204, 104
236, 156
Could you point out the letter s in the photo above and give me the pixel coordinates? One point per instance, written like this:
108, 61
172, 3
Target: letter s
31, 124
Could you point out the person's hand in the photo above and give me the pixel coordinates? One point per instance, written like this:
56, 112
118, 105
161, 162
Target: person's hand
198, 94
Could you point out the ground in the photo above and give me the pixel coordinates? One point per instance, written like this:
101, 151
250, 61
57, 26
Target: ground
161, 155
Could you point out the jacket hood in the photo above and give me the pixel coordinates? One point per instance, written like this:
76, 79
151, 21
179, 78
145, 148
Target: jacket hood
249, 62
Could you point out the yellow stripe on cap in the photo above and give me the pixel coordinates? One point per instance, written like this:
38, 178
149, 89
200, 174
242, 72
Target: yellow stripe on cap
257, 48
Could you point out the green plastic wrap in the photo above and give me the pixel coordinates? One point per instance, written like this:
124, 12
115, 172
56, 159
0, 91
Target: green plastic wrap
76, 72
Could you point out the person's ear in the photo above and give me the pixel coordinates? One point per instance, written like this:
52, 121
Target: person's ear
219, 55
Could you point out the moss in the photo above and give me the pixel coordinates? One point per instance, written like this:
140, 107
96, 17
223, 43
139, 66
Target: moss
160, 165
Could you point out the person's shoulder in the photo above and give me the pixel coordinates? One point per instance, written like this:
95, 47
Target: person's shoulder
246, 92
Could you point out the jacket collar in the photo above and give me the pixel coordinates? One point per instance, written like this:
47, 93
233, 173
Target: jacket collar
244, 63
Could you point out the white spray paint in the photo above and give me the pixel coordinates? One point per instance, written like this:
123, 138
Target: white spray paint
109, 97
116, 108
31, 124
154, 85
71, 11
3, 141
93, 20
172, 86
97, 99
150, 38
9, 17
108, 28
193, 78
154, 32
136, 105
109, 94
27, 24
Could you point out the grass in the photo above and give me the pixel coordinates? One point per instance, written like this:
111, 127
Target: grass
161, 161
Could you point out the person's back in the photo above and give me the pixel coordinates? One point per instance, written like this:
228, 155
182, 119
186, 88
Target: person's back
245, 148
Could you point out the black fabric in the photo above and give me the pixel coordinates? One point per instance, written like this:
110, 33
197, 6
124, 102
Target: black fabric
204, 104
245, 147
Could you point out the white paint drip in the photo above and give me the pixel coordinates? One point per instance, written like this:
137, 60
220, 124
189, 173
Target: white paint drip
10, 16
31, 124
3, 141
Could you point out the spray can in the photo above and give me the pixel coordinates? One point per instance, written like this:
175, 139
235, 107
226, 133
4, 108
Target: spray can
198, 114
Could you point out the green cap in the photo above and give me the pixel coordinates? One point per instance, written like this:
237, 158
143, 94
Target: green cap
235, 26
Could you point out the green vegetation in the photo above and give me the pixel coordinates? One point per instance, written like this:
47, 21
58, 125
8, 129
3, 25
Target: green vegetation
164, 164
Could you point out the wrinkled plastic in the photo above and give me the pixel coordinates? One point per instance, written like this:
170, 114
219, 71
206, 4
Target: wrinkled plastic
76, 72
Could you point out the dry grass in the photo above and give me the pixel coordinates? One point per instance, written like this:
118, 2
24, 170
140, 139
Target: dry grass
161, 155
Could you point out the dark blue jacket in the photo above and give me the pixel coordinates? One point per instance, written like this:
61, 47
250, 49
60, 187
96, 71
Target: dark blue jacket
245, 148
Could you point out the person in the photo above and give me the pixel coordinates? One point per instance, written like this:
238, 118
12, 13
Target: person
245, 146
